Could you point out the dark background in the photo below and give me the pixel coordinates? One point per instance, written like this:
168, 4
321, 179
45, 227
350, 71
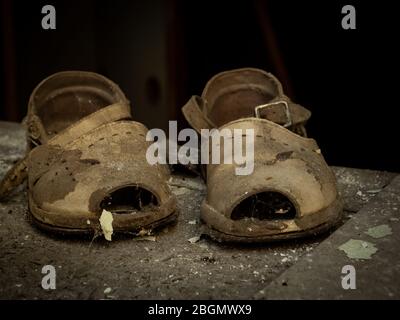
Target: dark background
162, 52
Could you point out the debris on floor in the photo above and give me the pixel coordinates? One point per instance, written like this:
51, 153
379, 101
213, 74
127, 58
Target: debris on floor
188, 183
358, 249
179, 191
106, 220
144, 233
380, 231
194, 239
146, 238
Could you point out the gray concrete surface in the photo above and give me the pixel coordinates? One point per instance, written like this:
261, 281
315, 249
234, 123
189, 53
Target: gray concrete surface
318, 274
166, 266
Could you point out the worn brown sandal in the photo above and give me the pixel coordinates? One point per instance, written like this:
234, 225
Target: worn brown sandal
87, 157
292, 191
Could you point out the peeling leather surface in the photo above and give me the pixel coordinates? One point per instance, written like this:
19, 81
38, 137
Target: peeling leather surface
284, 161
89, 144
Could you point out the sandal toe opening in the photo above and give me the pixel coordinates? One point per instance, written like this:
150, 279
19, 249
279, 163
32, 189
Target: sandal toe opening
269, 205
129, 200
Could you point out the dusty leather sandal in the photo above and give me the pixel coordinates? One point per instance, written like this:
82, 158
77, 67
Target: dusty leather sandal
292, 192
87, 155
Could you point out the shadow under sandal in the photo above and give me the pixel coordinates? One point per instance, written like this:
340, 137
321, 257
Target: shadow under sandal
87, 158
292, 192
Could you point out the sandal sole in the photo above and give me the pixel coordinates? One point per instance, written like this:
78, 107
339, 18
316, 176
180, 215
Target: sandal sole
327, 225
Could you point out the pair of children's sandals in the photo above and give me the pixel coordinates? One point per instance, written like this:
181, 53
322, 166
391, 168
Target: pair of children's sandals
87, 156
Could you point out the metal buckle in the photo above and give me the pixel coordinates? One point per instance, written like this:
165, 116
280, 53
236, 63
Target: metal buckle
288, 123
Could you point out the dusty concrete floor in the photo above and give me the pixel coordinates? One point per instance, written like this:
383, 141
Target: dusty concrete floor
377, 276
167, 266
